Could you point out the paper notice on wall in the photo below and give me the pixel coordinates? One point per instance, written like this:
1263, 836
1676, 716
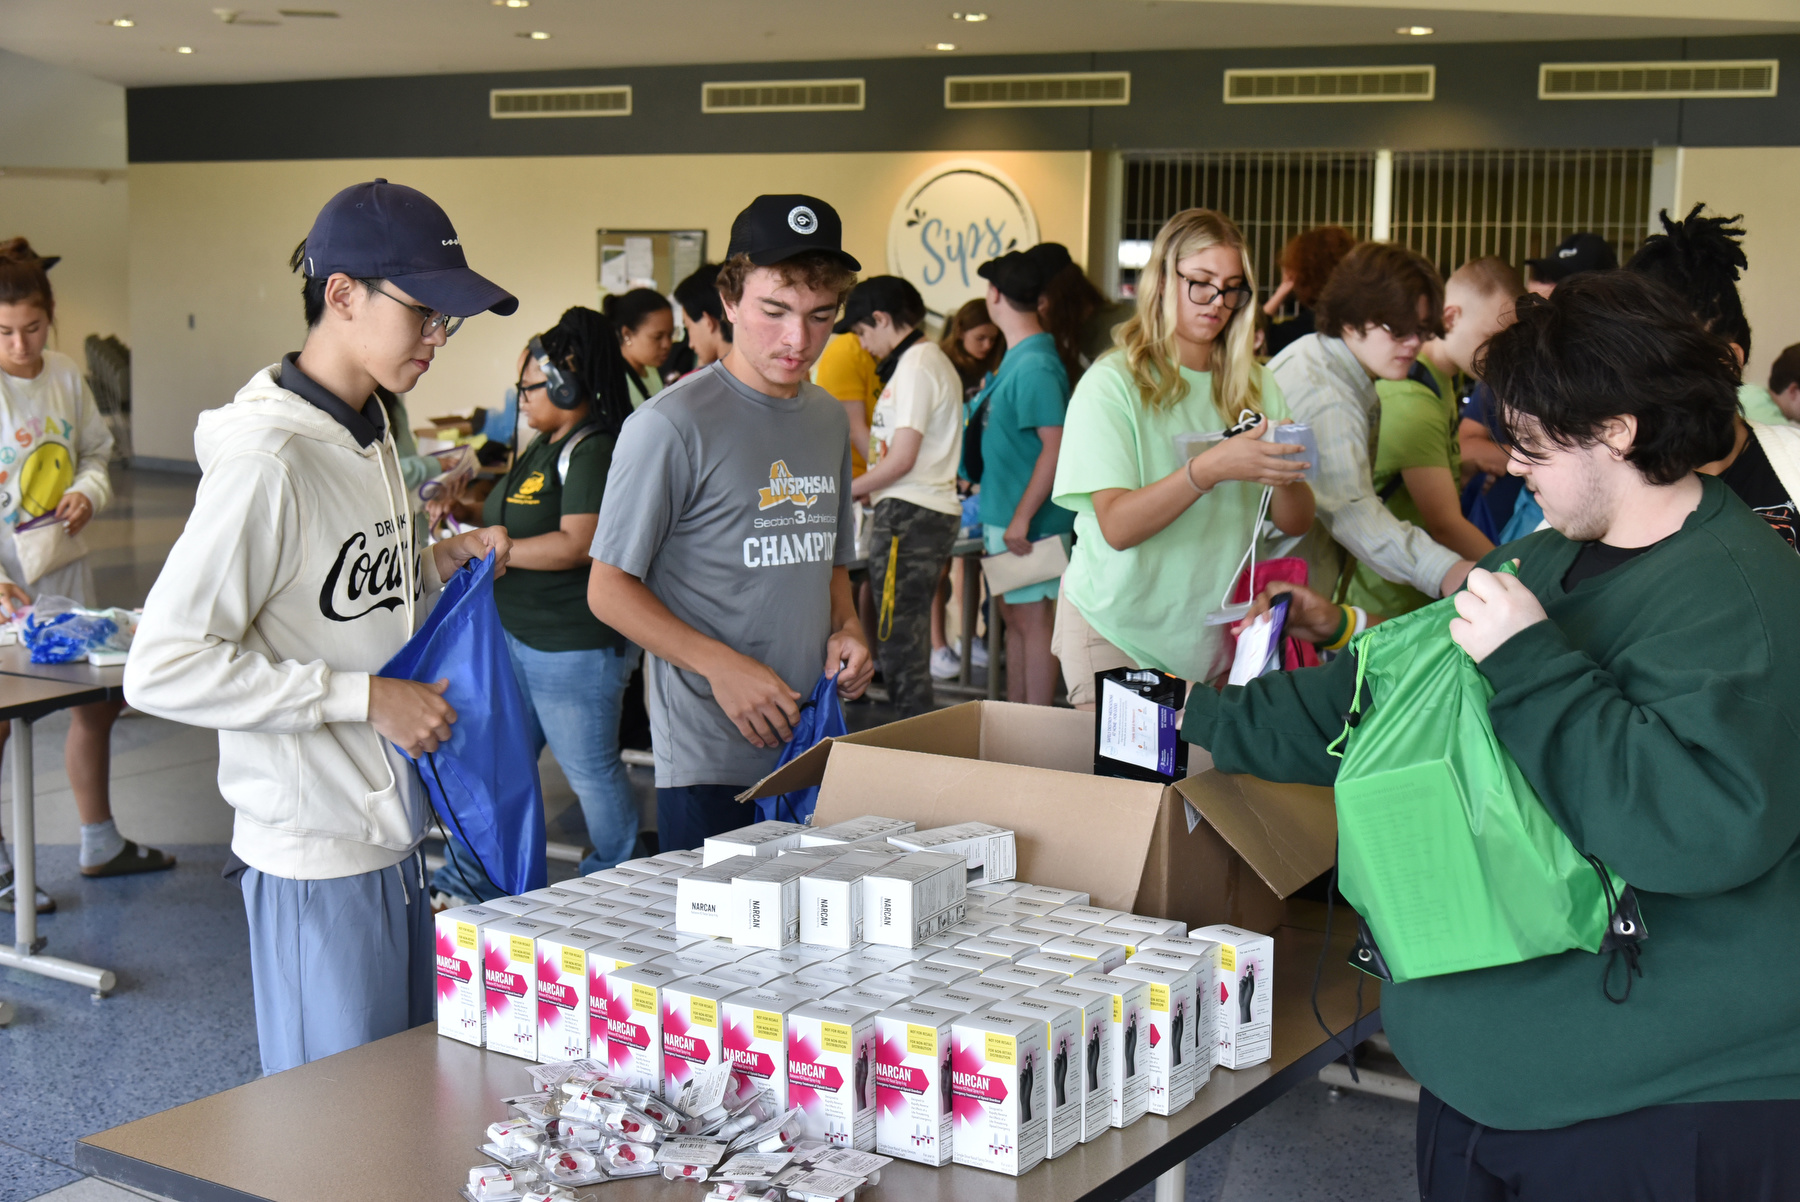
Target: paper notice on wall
640, 259
613, 276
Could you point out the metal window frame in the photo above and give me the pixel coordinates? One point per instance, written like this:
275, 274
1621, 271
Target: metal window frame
625, 88
1773, 64
951, 81
861, 85
1231, 73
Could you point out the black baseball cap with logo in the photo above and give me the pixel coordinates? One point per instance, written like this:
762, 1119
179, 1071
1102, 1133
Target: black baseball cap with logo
383, 231
776, 228
1577, 253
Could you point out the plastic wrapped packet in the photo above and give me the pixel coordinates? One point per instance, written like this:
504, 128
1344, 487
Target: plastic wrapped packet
689, 1157
58, 631
866, 1165
754, 1167
514, 1142
630, 1123
489, 1182
655, 1109
822, 1185
779, 1134
575, 1131
735, 1191
590, 1102
626, 1159
564, 1163
548, 1193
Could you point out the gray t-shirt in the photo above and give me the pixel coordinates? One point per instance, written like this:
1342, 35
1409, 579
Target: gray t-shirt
728, 503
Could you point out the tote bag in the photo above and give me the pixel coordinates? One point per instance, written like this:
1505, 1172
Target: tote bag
821, 718
483, 783
1444, 848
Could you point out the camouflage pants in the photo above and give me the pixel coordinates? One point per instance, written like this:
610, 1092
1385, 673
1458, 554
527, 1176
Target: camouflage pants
917, 541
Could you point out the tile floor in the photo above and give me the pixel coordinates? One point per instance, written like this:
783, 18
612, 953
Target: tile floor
179, 1026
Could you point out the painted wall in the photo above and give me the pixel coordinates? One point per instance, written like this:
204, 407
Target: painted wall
82, 216
1763, 185
209, 245
58, 118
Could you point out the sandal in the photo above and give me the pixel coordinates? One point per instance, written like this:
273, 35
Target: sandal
45, 903
132, 859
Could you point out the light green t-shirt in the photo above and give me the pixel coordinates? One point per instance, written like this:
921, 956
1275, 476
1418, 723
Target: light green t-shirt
1418, 429
1151, 600
649, 382
1755, 403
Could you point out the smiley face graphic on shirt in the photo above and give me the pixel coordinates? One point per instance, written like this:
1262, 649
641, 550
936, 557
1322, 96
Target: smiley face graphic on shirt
43, 478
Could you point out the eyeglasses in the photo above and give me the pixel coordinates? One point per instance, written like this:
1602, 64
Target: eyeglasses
524, 388
1412, 336
430, 320
1204, 292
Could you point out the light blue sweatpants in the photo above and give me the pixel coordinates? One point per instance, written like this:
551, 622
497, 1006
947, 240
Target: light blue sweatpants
338, 963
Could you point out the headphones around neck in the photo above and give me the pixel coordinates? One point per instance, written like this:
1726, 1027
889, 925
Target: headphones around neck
559, 386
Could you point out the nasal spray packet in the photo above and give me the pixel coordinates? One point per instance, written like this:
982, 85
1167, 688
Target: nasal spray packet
831, 1072
1136, 735
999, 1074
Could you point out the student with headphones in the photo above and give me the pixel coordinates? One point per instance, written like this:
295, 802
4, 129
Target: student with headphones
571, 668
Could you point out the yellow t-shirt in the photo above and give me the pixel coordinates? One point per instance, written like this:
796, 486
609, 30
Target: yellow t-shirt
847, 372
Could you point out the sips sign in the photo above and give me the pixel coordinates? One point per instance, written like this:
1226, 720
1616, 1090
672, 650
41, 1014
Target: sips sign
950, 221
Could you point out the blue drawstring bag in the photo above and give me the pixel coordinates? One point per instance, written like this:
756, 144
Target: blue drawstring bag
821, 718
483, 783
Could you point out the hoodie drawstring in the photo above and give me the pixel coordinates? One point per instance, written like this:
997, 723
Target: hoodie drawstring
407, 542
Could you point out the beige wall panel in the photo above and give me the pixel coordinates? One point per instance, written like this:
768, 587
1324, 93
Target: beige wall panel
212, 240
76, 215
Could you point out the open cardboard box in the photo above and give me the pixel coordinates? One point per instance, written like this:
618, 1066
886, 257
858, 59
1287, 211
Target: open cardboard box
1030, 768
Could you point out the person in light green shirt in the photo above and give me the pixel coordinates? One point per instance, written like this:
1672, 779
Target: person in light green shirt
1757, 404
1160, 538
646, 323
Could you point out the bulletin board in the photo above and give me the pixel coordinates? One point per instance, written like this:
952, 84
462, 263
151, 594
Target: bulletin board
656, 259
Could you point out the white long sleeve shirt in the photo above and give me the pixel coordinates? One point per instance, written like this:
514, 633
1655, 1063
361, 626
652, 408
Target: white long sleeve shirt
53, 440
1327, 388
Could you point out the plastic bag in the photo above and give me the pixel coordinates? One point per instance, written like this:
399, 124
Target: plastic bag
58, 631
483, 783
1444, 848
821, 718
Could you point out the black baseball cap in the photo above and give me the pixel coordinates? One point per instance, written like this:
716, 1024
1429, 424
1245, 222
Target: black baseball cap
1051, 257
881, 294
1018, 275
776, 228
1576, 253
383, 231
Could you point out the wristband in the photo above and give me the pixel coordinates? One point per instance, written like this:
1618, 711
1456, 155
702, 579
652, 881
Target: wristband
1188, 471
1346, 630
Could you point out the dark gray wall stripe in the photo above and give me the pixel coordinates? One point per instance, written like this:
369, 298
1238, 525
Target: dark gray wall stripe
1486, 96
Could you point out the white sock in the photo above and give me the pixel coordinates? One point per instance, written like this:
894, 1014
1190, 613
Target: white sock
100, 842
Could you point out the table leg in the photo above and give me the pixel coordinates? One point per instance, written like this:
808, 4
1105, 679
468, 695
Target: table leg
971, 614
24, 953
1172, 1185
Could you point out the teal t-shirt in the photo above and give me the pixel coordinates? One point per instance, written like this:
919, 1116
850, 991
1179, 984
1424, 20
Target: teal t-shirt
1030, 390
1149, 600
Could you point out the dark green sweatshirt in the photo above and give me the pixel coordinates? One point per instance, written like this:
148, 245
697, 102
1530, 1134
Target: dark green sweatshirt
1657, 714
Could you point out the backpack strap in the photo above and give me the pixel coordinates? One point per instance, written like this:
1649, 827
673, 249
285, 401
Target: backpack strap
568, 452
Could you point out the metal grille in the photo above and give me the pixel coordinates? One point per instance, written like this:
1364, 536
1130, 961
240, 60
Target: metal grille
783, 96
1657, 81
1455, 205
1309, 85
1271, 194
1449, 205
1082, 89
560, 102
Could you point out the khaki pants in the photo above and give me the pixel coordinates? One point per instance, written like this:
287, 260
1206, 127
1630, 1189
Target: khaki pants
1082, 652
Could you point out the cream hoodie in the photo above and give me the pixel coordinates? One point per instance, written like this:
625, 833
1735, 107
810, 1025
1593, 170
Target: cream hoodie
285, 592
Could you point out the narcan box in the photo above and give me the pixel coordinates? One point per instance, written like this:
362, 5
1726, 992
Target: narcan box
1000, 1076
565, 1013
869, 826
831, 900
692, 1027
1130, 1035
768, 839
755, 1038
634, 1039
1246, 993
1063, 1037
703, 897
913, 898
509, 974
765, 901
461, 981
990, 853
914, 1118
1095, 1049
831, 1062
1173, 1059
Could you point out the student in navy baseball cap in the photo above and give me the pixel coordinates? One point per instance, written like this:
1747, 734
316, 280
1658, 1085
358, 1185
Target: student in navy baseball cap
273, 618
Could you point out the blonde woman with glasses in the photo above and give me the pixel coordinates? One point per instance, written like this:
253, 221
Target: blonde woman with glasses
1160, 535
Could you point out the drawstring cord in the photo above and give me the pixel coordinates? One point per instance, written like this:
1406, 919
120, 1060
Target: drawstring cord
406, 542
1626, 929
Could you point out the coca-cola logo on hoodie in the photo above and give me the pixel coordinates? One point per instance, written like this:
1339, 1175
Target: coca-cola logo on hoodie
363, 580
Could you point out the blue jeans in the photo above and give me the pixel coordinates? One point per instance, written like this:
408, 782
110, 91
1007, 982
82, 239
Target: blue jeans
687, 816
573, 700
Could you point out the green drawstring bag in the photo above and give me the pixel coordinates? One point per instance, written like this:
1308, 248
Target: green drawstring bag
1444, 848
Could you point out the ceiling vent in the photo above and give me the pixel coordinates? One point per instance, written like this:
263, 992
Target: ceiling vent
783, 96
1331, 85
560, 102
1081, 89
1729, 79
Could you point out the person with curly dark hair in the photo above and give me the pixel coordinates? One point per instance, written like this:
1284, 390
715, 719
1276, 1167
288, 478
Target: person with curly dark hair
1645, 670
1307, 262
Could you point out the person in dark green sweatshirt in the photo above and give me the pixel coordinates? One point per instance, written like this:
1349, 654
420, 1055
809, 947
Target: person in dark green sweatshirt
1646, 668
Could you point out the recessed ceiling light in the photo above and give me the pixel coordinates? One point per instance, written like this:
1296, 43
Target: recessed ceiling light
512, 3
536, 35
322, 13
182, 49
1415, 31
120, 22
943, 46
971, 18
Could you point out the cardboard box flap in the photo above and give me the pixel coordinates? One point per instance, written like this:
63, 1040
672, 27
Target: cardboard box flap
1287, 833
955, 731
1037, 736
1089, 833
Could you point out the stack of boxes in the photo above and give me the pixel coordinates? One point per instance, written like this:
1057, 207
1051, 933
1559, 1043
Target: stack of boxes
894, 984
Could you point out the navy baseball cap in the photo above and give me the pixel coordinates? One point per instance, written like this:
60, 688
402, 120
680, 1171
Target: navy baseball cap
383, 231
776, 228
1577, 253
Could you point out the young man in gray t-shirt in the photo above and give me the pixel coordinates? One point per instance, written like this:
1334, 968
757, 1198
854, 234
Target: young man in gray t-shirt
727, 522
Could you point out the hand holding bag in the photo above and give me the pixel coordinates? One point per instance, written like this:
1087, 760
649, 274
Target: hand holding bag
44, 544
